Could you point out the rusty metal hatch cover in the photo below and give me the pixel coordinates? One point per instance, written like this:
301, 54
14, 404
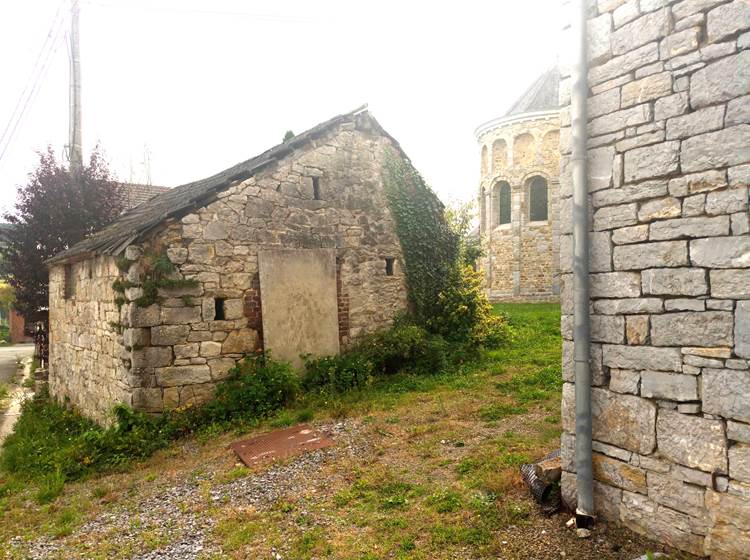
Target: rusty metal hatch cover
280, 444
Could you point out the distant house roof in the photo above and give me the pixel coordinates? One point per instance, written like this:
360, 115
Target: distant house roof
176, 202
541, 96
136, 194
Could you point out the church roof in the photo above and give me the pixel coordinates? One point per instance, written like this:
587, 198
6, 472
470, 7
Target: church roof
543, 95
176, 202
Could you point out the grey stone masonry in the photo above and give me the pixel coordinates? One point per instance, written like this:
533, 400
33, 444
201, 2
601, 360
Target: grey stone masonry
669, 115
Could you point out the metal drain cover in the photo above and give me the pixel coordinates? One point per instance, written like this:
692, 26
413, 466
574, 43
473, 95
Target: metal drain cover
280, 444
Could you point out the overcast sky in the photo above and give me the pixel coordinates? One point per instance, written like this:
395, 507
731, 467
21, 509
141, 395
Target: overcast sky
195, 86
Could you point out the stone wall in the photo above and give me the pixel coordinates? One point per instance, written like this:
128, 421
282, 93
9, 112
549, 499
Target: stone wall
521, 257
175, 351
85, 347
669, 166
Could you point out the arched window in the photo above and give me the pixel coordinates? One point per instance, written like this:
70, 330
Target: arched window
499, 156
538, 199
501, 204
482, 211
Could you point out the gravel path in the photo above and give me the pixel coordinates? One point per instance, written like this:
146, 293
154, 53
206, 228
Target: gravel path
174, 512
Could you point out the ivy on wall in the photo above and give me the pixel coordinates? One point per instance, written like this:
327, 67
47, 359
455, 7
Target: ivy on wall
158, 273
430, 246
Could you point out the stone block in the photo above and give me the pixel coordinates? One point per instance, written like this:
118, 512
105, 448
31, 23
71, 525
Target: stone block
730, 283
692, 441
646, 255
183, 351
740, 223
738, 111
618, 473
233, 309
600, 168
693, 205
615, 285
642, 357
604, 103
649, 27
220, 367
670, 386
240, 341
636, 329
680, 43
739, 462
738, 431
674, 281
646, 517
620, 65
719, 353
736, 364
148, 399
674, 493
684, 304
727, 201
169, 335
742, 329
620, 120
135, 337
598, 376
730, 146
646, 89
726, 392
689, 227
659, 209
182, 375
629, 193
625, 13
631, 234
708, 328
216, 230
727, 20
611, 411
697, 183
152, 357
180, 315
610, 450
628, 306
144, 316
652, 161
615, 216
624, 381
201, 253
608, 328
698, 122
671, 106
177, 255
728, 536
210, 349
721, 252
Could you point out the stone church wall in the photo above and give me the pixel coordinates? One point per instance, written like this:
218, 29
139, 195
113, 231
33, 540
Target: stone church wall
172, 353
669, 166
521, 257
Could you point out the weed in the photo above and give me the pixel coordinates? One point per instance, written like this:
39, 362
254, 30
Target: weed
445, 501
500, 410
50, 487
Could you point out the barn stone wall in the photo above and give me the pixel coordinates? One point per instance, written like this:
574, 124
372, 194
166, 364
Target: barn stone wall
85, 348
669, 166
174, 352
521, 257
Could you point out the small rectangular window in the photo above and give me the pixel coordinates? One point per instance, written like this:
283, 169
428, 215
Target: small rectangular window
219, 309
389, 266
69, 282
316, 188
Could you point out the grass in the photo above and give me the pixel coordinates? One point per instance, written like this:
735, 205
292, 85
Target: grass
441, 479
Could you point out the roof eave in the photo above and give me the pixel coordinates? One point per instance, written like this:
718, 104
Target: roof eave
486, 127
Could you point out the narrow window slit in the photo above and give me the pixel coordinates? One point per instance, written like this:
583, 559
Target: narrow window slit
316, 188
219, 309
389, 266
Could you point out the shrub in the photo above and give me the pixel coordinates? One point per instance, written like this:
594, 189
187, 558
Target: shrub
466, 315
255, 387
350, 370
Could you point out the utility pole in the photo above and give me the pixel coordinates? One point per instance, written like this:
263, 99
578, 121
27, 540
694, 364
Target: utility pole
74, 142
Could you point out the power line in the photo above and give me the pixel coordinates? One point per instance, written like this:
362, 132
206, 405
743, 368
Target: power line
35, 78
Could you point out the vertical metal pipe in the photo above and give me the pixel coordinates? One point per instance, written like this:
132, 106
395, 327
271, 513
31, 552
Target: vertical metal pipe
581, 327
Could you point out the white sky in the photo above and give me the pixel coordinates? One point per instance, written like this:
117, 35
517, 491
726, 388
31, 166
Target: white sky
202, 85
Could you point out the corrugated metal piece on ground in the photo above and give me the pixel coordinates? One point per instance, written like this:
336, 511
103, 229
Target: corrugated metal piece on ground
280, 444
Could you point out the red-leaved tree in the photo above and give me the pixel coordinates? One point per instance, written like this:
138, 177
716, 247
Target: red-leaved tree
53, 211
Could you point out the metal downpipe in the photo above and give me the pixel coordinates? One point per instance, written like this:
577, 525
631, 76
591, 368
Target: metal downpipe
581, 325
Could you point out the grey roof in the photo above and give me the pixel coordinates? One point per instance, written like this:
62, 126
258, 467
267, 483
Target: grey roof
543, 95
136, 193
175, 203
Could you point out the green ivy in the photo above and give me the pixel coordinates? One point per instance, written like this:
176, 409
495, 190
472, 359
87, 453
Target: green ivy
158, 272
429, 245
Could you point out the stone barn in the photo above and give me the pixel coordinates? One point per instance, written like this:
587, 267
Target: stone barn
293, 252
518, 196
